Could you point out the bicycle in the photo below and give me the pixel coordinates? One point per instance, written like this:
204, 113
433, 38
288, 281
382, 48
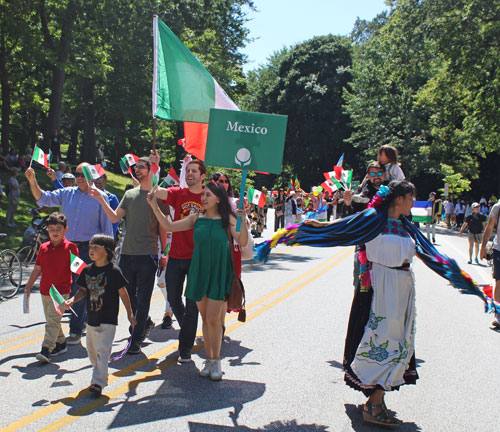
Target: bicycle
11, 272
35, 235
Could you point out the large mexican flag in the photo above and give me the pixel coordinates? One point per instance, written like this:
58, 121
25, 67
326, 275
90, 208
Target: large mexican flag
182, 88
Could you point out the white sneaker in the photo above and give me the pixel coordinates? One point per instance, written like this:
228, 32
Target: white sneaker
216, 372
207, 368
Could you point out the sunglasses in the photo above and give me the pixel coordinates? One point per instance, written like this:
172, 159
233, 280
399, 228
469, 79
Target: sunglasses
223, 181
375, 174
79, 174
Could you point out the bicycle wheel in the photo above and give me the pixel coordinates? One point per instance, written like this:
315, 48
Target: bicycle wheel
27, 257
11, 273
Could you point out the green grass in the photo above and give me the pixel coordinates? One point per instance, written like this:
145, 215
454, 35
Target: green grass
116, 185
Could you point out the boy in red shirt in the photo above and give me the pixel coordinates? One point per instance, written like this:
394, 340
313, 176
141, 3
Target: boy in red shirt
53, 263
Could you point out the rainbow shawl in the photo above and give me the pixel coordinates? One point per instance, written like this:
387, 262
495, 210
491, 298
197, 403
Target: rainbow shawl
362, 227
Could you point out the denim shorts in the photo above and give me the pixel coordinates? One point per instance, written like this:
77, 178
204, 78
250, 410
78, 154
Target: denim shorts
496, 264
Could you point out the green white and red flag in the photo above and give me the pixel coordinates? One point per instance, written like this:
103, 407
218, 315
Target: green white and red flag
127, 161
155, 170
171, 179
40, 157
76, 264
329, 186
182, 88
93, 172
347, 178
256, 197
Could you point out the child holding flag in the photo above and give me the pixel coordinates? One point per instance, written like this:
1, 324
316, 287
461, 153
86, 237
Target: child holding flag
102, 284
53, 263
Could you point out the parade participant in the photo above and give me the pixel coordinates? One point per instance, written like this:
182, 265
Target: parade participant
475, 222
435, 215
139, 254
492, 221
85, 218
279, 208
57, 250
210, 272
184, 201
388, 156
101, 284
112, 198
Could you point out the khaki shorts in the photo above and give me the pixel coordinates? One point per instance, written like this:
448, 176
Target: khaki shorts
475, 238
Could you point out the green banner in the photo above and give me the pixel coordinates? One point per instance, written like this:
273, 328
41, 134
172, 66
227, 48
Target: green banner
246, 140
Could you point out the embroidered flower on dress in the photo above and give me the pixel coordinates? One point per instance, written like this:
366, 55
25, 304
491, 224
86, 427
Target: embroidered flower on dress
377, 353
373, 320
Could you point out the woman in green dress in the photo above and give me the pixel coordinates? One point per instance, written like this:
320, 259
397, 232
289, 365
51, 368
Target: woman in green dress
210, 272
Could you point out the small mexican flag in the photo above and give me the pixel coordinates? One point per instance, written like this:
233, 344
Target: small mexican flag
332, 181
347, 178
329, 186
171, 179
40, 157
155, 170
58, 299
77, 264
127, 161
93, 172
256, 197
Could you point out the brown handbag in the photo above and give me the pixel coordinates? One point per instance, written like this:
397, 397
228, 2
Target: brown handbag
236, 299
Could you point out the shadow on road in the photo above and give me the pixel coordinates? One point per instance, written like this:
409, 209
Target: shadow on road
358, 425
274, 259
276, 426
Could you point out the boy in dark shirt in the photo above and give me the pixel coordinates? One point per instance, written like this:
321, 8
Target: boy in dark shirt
57, 250
102, 284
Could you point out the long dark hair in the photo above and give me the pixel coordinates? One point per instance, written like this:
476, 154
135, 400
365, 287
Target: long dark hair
223, 206
218, 175
399, 188
390, 151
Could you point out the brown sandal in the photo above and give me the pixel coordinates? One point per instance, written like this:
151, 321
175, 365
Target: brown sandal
382, 418
95, 389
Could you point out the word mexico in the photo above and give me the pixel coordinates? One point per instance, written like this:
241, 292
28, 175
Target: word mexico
235, 127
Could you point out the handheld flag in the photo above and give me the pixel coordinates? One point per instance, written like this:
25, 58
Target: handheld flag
256, 197
155, 171
93, 172
171, 179
127, 161
58, 300
420, 212
340, 161
40, 157
77, 264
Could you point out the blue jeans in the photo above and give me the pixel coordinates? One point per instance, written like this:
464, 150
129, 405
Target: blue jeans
140, 272
186, 316
76, 323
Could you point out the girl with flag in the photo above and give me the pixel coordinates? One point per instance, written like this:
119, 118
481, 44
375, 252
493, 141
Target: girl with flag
53, 262
211, 271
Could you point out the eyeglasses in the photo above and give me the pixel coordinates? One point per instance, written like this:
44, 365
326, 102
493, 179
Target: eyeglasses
141, 167
375, 174
79, 174
223, 181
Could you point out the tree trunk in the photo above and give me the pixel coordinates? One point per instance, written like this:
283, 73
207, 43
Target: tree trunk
73, 144
6, 108
89, 150
59, 74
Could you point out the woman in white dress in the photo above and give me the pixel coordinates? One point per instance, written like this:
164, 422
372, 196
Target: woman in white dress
380, 343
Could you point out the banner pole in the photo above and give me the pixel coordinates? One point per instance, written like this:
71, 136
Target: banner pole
242, 198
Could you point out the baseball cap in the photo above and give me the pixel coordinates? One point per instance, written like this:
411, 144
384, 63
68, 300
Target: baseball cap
68, 176
475, 204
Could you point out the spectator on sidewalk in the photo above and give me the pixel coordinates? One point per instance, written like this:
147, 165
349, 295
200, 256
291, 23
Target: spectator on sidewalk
14, 196
435, 215
475, 223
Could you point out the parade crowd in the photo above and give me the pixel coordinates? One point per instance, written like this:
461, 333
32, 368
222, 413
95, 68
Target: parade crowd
184, 241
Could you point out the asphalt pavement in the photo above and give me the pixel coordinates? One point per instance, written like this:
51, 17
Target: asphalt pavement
283, 367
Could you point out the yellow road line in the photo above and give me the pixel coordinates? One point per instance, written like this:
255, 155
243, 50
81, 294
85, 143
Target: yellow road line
92, 406
65, 327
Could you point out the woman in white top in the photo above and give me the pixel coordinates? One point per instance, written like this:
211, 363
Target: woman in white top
388, 156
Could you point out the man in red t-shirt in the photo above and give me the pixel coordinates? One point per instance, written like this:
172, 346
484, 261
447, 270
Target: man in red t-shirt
53, 263
184, 201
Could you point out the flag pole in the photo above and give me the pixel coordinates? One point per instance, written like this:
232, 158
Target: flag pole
242, 197
155, 73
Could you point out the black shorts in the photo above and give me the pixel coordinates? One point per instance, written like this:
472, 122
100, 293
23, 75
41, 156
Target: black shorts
496, 264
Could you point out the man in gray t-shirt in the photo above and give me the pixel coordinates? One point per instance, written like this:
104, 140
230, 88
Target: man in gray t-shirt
139, 256
492, 221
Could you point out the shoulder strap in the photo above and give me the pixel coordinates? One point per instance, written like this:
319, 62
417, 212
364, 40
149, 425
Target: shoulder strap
231, 247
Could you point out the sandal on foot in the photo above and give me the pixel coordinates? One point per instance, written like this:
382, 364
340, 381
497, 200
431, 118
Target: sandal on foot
382, 418
96, 389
